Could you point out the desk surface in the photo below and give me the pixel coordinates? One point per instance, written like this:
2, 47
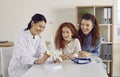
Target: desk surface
69, 69
7, 44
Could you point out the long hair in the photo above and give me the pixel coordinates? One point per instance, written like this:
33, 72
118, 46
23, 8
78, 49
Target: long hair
36, 18
95, 31
59, 40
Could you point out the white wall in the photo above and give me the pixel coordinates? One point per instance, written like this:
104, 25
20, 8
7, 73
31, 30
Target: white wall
15, 15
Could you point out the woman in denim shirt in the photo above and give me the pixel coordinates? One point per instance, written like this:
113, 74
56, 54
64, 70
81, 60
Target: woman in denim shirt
89, 33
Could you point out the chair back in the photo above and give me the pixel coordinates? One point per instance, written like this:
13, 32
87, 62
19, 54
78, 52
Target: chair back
6, 54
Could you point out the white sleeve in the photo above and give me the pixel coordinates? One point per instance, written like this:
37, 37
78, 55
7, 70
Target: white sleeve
21, 53
77, 45
43, 47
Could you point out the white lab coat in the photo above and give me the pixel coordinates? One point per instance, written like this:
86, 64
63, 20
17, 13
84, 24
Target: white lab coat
26, 51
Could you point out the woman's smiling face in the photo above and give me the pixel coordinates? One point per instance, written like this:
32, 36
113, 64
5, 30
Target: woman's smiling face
86, 26
37, 28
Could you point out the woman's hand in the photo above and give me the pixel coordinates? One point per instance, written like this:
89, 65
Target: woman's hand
84, 54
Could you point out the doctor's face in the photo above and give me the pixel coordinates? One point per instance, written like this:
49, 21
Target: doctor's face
86, 26
37, 28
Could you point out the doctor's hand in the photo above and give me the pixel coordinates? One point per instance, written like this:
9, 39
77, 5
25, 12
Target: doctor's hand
40, 61
43, 59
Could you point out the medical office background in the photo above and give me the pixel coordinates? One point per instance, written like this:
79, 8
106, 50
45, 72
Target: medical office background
15, 15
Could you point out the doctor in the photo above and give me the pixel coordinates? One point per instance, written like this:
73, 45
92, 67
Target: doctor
29, 47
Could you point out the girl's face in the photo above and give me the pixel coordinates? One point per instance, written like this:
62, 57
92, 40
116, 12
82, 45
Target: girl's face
66, 34
37, 28
86, 26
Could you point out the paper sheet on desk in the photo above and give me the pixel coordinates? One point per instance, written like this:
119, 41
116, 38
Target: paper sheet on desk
53, 66
95, 59
98, 60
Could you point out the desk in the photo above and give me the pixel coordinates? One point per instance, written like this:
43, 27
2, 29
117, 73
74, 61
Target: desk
4, 45
7, 44
69, 69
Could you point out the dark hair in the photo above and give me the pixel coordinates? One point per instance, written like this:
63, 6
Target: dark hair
95, 31
59, 41
36, 18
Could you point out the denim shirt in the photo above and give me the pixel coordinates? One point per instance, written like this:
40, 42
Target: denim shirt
87, 46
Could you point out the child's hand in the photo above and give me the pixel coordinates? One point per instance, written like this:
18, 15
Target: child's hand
58, 60
71, 56
65, 57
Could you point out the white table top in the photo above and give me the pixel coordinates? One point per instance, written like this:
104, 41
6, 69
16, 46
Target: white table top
69, 69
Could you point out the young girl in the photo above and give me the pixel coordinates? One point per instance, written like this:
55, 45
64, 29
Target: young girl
67, 41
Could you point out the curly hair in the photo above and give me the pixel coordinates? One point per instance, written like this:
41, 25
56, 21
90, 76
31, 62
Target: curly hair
59, 41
